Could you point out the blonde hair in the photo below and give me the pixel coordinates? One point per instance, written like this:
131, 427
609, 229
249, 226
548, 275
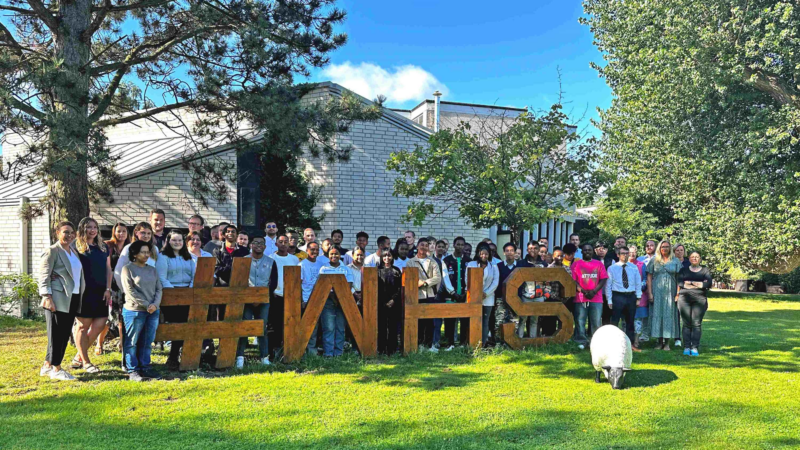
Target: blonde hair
658, 258
144, 225
81, 242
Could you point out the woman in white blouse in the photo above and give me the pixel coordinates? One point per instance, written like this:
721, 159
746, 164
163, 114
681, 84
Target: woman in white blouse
61, 287
491, 277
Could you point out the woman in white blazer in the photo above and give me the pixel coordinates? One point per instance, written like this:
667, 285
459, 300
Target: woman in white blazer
61, 286
491, 277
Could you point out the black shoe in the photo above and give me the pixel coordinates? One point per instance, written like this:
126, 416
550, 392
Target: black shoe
152, 374
173, 364
136, 376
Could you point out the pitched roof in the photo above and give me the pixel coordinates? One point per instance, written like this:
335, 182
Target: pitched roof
142, 157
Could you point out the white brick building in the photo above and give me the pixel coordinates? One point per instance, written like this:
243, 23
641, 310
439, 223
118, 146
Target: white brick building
356, 195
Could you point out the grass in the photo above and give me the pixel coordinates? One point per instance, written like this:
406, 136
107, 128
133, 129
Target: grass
743, 392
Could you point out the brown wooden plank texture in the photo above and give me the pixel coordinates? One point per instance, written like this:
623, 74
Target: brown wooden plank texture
198, 298
297, 330
414, 311
511, 292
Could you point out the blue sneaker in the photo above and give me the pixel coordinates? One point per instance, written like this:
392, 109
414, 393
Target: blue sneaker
695, 352
687, 352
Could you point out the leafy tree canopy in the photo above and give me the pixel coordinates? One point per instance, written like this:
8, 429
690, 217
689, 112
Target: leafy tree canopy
706, 119
72, 68
515, 172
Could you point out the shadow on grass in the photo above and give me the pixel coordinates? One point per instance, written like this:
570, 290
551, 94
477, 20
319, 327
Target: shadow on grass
75, 414
648, 378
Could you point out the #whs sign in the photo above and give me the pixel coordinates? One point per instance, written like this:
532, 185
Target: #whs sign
198, 298
298, 324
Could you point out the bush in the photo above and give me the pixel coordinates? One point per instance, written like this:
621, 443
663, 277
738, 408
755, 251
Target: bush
18, 290
791, 280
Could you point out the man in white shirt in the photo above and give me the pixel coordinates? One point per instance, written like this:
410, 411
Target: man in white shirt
309, 236
362, 239
574, 238
374, 260
282, 259
271, 239
309, 273
623, 291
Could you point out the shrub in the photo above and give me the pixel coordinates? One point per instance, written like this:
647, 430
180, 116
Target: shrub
18, 290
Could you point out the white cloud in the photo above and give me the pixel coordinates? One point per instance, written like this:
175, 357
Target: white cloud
402, 84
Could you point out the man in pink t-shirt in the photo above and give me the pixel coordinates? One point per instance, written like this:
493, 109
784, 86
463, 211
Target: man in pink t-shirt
591, 277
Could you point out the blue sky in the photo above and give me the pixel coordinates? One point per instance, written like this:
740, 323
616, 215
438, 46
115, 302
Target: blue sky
506, 55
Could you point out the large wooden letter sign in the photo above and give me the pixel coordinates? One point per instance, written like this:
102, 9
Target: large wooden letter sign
198, 298
297, 330
414, 311
512, 285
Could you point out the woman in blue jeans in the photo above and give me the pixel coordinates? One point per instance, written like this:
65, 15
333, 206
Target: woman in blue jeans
332, 314
142, 289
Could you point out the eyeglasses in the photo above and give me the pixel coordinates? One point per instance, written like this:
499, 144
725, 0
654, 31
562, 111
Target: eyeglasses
196, 224
272, 226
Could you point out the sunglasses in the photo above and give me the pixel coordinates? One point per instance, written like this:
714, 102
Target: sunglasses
272, 226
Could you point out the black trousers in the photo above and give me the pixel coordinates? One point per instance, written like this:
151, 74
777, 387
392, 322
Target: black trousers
425, 329
176, 314
607, 313
692, 305
388, 318
624, 305
59, 329
275, 325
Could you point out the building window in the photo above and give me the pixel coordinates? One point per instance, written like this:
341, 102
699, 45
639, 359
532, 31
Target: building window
247, 207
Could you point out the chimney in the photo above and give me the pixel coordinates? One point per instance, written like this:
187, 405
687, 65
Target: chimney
436, 96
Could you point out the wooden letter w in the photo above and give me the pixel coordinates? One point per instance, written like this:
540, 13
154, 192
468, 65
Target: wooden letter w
297, 330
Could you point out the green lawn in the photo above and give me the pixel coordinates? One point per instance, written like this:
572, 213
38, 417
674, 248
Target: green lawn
743, 392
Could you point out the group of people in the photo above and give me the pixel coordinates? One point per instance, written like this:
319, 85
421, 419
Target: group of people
87, 283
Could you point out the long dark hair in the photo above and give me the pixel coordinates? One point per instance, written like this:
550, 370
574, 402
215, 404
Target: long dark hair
169, 252
483, 246
383, 253
113, 241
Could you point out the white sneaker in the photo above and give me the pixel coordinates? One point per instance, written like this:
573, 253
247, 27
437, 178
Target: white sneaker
265, 361
581, 346
434, 349
45, 370
239, 362
450, 349
61, 375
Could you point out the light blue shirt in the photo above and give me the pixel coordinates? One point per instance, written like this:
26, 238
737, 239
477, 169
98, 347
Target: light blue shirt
309, 273
614, 282
271, 245
260, 271
176, 272
341, 268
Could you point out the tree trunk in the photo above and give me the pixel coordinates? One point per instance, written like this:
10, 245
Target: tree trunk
68, 184
516, 235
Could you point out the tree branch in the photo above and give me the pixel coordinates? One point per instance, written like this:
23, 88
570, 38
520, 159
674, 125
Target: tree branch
26, 108
97, 22
124, 65
153, 111
773, 85
44, 14
132, 6
23, 11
